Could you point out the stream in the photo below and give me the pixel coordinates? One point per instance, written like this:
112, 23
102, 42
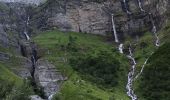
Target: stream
126, 7
140, 6
129, 86
154, 30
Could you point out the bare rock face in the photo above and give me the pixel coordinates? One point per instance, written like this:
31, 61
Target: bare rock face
88, 18
3, 36
48, 77
22, 68
35, 2
92, 16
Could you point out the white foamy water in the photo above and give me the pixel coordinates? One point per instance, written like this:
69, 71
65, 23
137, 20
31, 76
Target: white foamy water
26, 35
125, 4
114, 29
140, 5
26, 27
129, 86
154, 30
50, 97
121, 48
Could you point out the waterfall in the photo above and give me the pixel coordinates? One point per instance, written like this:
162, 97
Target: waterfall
114, 29
26, 35
154, 30
143, 66
50, 97
140, 6
26, 26
126, 7
129, 86
28, 20
121, 48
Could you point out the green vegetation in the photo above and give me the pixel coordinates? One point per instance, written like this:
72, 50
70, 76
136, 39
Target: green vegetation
102, 66
12, 87
154, 84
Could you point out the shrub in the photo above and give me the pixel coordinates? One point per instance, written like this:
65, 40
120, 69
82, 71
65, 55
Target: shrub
101, 68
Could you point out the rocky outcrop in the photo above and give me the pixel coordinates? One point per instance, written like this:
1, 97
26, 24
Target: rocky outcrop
24, 68
34, 2
3, 36
48, 77
90, 16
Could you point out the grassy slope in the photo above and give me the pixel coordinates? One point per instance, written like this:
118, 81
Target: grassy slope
142, 53
75, 88
8, 75
160, 70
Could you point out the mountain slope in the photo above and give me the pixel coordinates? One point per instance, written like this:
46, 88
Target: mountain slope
155, 81
61, 47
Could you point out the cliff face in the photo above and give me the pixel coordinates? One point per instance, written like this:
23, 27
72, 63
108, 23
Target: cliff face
82, 16
32, 2
18, 20
95, 17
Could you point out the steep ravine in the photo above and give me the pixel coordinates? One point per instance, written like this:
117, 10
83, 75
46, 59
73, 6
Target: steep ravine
45, 77
32, 56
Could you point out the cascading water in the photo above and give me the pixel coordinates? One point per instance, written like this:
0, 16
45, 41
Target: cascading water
154, 30
50, 97
114, 29
121, 48
143, 66
140, 6
129, 86
28, 19
26, 35
130, 91
126, 7
26, 27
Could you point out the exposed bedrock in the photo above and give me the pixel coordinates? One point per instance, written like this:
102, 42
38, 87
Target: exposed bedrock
95, 17
48, 77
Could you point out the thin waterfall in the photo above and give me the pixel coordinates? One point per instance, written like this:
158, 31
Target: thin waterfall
26, 35
154, 30
26, 26
140, 6
129, 86
143, 66
28, 20
121, 48
114, 29
126, 7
